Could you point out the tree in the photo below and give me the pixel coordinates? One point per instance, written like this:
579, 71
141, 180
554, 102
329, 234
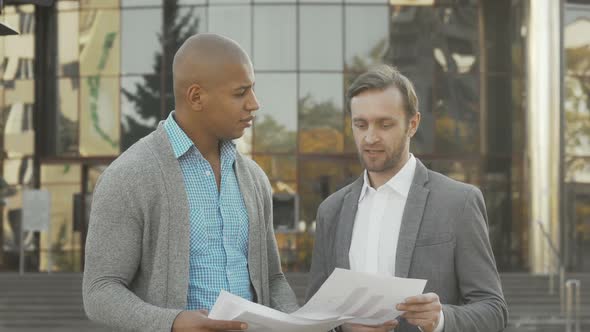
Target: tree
272, 136
147, 97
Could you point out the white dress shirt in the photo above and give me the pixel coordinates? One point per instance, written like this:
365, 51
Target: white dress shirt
377, 224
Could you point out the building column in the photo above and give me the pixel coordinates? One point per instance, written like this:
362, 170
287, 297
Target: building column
544, 131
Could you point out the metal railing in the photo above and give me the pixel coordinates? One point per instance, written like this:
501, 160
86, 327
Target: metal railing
556, 268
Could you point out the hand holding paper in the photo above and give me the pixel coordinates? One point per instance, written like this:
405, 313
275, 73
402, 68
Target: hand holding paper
346, 296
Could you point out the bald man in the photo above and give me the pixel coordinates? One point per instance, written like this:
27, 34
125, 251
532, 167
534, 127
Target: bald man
181, 215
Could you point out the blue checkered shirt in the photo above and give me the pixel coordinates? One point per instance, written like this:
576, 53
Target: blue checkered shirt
218, 223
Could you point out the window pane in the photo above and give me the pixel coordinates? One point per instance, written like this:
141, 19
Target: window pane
233, 22
141, 45
278, 167
192, 2
423, 140
190, 20
577, 41
100, 42
62, 182
2, 57
577, 120
140, 107
17, 172
500, 108
67, 121
19, 138
217, 2
577, 169
99, 116
141, 3
319, 178
275, 1
411, 38
18, 62
275, 126
323, 1
11, 228
457, 34
274, 37
460, 170
457, 113
320, 48
67, 39
100, 3
367, 36
320, 113
380, 2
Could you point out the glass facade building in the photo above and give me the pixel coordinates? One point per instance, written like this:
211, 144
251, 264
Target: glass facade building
85, 79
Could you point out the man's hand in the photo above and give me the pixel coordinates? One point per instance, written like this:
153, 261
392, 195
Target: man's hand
197, 321
422, 311
385, 327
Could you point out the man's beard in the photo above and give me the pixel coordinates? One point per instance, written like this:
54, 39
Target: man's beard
392, 160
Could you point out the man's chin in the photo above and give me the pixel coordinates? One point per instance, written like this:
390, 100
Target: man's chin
235, 135
374, 167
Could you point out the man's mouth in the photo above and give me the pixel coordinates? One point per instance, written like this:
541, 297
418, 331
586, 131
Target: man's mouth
247, 121
373, 152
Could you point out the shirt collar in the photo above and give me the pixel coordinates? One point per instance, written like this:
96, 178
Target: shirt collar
181, 143
400, 182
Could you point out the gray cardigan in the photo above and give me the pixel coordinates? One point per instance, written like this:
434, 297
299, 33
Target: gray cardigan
137, 249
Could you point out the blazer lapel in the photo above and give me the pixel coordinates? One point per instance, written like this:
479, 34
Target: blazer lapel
346, 224
411, 220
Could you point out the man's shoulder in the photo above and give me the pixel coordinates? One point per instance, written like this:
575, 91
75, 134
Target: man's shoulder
448, 186
250, 165
136, 162
438, 181
335, 201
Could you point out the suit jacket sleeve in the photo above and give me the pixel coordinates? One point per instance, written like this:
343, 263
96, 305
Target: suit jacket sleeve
282, 296
319, 260
484, 307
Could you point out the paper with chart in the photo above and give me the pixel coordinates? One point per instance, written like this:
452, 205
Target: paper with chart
345, 296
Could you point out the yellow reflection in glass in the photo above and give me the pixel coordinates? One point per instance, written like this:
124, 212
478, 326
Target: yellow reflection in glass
18, 119
67, 122
62, 181
99, 116
100, 3
100, 35
278, 166
67, 42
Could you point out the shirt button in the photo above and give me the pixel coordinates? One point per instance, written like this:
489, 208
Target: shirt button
207, 173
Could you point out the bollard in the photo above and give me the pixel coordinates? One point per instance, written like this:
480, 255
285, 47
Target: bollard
572, 305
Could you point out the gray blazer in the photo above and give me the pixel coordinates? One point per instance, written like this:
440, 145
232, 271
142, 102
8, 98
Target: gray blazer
443, 239
137, 249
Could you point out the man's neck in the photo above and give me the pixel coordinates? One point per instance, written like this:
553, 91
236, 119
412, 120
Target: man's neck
208, 145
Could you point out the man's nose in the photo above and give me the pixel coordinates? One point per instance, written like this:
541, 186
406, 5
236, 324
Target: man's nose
370, 137
253, 104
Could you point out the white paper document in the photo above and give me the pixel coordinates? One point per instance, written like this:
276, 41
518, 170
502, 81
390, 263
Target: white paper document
346, 296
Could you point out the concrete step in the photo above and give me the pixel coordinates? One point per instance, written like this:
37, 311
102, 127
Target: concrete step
36, 302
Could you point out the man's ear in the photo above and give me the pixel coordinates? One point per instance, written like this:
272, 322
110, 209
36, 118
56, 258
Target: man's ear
194, 97
414, 124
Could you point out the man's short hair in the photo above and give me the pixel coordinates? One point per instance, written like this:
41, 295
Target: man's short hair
380, 78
